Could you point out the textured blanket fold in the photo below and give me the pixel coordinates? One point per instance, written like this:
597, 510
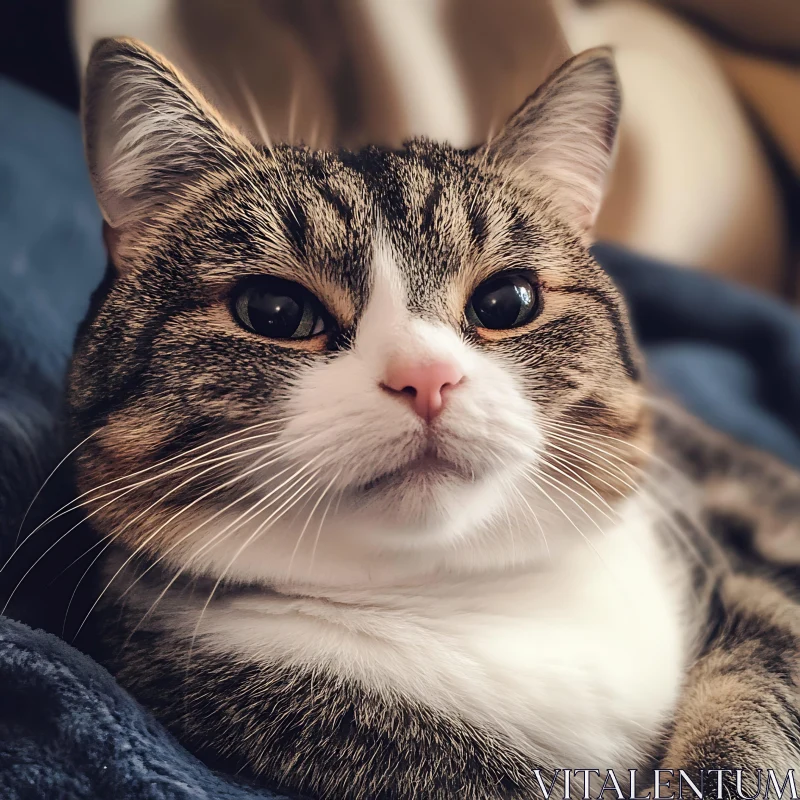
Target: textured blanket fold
67, 730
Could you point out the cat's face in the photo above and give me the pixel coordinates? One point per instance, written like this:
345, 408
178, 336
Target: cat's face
331, 367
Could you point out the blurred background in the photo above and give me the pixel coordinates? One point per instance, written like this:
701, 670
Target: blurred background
708, 169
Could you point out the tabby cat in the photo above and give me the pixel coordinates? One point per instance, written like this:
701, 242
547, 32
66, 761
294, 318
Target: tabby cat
384, 505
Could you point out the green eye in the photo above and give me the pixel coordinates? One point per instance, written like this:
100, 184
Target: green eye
503, 302
279, 309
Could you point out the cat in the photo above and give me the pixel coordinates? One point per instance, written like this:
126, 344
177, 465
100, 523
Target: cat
385, 505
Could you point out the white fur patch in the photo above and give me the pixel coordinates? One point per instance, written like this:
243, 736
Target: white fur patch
584, 654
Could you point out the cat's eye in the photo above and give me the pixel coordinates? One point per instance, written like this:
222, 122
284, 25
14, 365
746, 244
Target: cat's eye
279, 309
504, 301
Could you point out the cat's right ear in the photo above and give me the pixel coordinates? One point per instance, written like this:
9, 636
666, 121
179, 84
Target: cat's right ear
148, 133
561, 139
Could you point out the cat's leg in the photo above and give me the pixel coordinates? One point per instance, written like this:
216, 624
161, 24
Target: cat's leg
740, 707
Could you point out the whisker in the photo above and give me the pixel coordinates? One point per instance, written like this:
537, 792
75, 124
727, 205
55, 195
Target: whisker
229, 529
594, 491
308, 522
116, 534
319, 528
149, 538
536, 519
272, 518
648, 495
566, 516
46, 481
74, 504
118, 494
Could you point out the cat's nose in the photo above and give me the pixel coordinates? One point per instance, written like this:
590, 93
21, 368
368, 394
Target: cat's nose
423, 385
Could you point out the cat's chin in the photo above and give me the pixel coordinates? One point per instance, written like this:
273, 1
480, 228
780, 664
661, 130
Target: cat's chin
426, 473
420, 500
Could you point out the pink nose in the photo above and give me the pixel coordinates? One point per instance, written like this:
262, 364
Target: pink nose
423, 384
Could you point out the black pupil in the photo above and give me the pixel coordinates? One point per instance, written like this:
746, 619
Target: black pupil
504, 302
274, 314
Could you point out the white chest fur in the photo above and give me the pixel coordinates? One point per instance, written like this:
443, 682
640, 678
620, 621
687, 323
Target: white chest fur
579, 660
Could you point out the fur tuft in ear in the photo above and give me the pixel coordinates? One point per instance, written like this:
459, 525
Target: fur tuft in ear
562, 137
147, 130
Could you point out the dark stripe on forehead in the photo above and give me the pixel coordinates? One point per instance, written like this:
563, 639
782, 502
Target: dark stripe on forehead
378, 169
478, 224
520, 229
612, 310
295, 223
320, 181
430, 206
333, 198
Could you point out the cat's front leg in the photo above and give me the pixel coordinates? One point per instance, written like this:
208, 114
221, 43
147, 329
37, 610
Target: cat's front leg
740, 707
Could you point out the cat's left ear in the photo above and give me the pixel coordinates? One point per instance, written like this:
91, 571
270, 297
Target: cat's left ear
560, 141
148, 132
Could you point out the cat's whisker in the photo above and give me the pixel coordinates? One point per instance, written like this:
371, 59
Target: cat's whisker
230, 529
115, 534
143, 544
54, 544
280, 511
242, 519
308, 522
648, 493
567, 517
549, 465
619, 474
535, 518
47, 480
80, 501
225, 460
665, 516
219, 538
631, 445
118, 495
504, 506
580, 440
320, 526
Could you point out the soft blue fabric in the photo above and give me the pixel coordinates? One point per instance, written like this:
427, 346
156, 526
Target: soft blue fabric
66, 729
51, 253
731, 355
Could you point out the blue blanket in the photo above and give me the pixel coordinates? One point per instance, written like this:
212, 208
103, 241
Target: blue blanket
66, 729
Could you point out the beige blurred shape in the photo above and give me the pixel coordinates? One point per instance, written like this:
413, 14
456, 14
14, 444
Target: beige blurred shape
691, 183
766, 23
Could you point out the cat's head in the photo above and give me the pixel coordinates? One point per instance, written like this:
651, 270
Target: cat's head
344, 366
